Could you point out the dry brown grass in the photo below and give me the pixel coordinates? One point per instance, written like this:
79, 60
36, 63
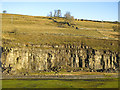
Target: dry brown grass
41, 30
96, 25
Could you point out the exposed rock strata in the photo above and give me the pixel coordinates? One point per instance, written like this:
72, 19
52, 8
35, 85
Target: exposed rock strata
47, 58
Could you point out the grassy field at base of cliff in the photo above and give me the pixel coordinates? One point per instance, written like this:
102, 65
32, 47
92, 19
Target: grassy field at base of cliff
68, 83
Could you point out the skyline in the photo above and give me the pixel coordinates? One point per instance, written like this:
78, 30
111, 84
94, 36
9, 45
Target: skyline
106, 11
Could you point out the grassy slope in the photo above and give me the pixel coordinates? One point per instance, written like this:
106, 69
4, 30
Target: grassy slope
96, 83
41, 30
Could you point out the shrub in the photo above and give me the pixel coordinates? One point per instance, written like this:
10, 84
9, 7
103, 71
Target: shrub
115, 28
14, 31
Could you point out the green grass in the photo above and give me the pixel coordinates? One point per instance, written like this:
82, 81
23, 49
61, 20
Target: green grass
95, 83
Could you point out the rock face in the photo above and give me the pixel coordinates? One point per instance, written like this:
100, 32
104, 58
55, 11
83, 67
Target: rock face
53, 58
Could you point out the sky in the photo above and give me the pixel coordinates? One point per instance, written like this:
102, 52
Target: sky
106, 11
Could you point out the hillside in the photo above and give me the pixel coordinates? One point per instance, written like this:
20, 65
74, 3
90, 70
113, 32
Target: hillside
35, 44
23, 30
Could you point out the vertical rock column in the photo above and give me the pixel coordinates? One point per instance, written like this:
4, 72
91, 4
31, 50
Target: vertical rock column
97, 58
10, 58
114, 62
77, 60
82, 55
91, 62
30, 59
26, 60
53, 60
107, 61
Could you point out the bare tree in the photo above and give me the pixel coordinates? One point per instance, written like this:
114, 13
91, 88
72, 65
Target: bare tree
50, 14
57, 13
68, 17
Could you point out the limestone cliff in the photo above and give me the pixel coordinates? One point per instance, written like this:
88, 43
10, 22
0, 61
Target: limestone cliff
55, 58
